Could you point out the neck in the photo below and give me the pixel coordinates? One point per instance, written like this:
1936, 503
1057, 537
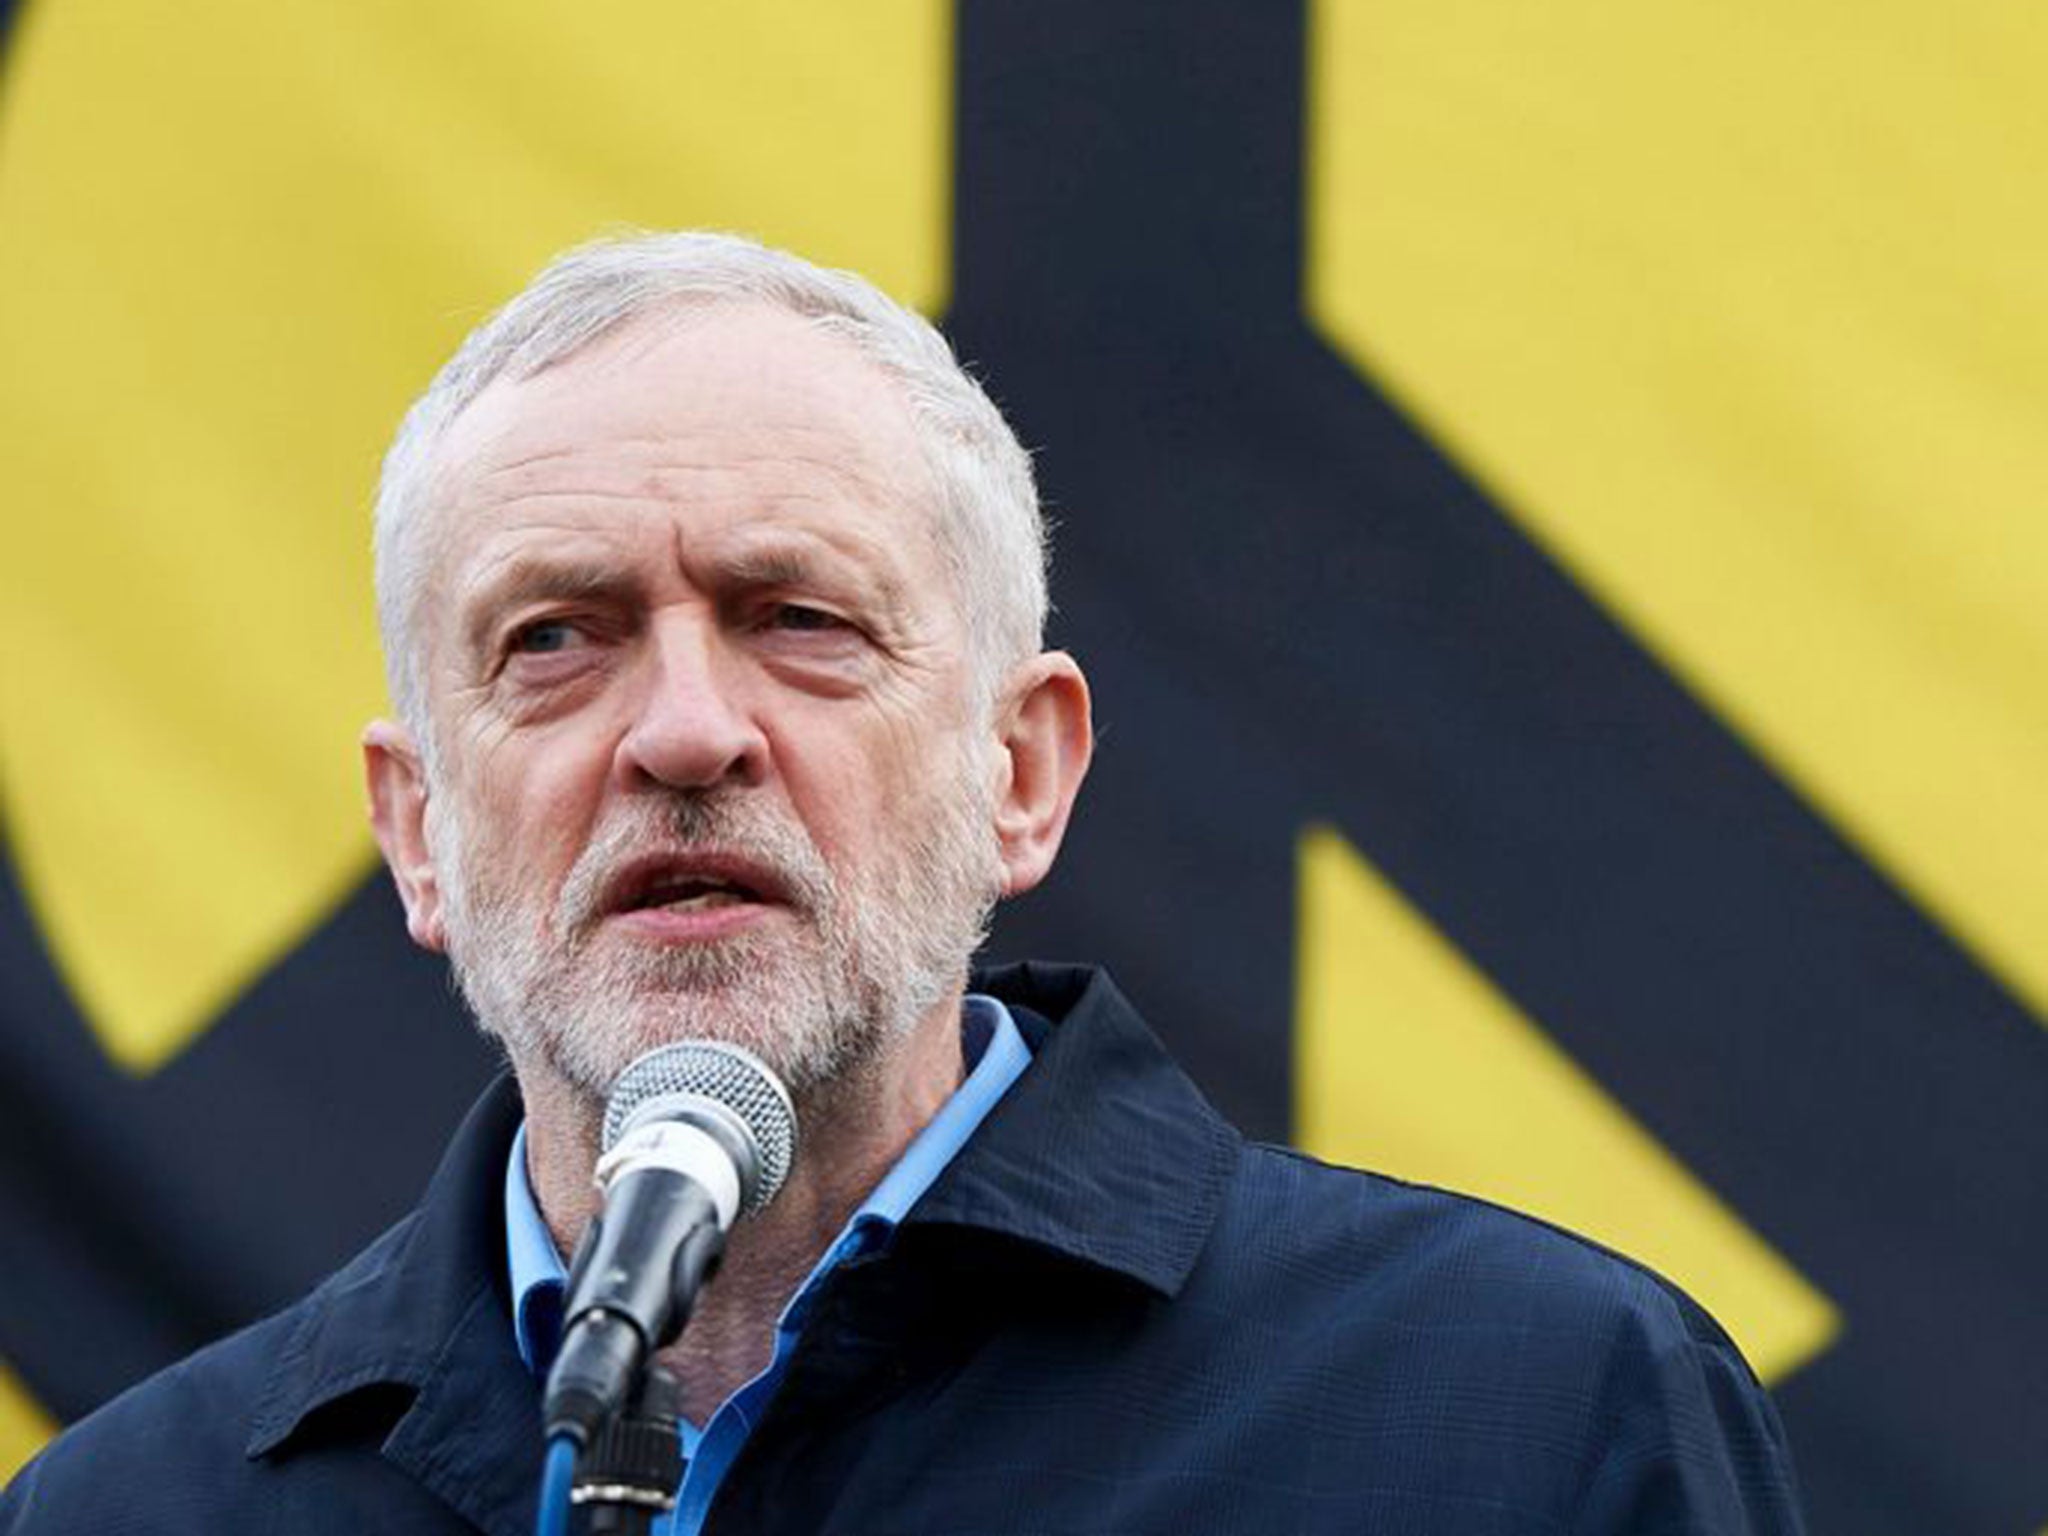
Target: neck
851, 1132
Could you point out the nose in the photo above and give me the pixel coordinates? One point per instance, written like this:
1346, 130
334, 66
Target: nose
692, 726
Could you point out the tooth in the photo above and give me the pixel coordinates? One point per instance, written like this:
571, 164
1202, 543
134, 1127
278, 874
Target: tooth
705, 899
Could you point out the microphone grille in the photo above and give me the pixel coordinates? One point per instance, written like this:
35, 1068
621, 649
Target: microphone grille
736, 1080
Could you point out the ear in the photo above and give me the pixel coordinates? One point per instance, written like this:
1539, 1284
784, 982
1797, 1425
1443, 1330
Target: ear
398, 814
1046, 738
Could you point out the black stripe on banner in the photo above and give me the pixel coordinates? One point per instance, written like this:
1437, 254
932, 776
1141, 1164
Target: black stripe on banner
1295, 610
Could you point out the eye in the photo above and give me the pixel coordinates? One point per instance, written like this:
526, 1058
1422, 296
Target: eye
544, 637
549, 650
803, 618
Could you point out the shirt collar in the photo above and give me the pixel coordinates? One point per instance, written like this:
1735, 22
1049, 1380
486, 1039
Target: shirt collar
990, 1043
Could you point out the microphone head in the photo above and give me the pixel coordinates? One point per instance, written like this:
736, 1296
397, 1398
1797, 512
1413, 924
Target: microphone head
721, 1087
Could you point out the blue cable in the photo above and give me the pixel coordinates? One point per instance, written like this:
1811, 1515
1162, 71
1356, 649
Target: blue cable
555, 1478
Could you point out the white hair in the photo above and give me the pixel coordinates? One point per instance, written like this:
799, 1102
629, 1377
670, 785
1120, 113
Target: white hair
989, 525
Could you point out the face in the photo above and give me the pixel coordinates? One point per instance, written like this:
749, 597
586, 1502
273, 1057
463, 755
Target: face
708, 761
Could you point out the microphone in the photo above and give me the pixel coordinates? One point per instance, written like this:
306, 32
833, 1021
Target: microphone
696, 1135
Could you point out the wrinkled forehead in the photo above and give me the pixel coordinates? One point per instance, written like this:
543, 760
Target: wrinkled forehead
698, 388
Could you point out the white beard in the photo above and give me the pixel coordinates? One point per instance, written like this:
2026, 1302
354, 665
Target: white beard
816, 1000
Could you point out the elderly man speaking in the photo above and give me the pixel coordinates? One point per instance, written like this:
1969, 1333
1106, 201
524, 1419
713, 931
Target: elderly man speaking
712, 592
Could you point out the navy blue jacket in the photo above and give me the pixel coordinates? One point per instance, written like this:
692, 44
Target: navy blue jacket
1108, 1315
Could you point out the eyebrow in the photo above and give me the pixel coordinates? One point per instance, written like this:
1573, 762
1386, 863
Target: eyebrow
795, 566
771, 568
532, 578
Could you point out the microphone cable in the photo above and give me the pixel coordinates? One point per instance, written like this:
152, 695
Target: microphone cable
556, 1475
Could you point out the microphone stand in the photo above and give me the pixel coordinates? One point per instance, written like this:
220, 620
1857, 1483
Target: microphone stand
629, 1474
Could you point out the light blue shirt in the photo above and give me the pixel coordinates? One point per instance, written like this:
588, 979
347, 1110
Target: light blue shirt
990, 1042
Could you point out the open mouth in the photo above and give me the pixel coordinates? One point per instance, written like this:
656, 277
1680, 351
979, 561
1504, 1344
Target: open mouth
695, 882
690, 893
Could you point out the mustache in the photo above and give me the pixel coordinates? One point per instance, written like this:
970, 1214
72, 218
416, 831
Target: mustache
694, 822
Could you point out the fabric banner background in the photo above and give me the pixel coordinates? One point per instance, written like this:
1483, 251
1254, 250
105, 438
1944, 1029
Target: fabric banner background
1546, 496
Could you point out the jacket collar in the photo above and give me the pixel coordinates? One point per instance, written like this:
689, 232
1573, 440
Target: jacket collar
1104, 1152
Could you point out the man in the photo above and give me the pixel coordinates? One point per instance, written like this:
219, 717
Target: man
712, 593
